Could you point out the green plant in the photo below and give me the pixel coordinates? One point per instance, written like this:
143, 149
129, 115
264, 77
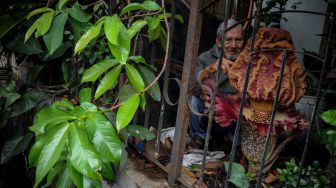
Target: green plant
329, 135
311, 175
82, 143
238, 176
15, 105
79, 142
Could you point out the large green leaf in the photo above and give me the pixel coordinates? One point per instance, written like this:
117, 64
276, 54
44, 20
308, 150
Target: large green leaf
108, 81
61, 4
54, 38
143, 102
32, 46
53, 173
107, 171
105, 138
43, 23
92, 73
136, 27
64, 180
36, 149
30, 31
152, 22
138, 59
238, 177
146, 5
121, 51
38, 11
154, 26
85, 95
14, 146
50, 116
154, 34
141, 132
149, 77
126, 111
65, 103
25, 103
77, 13
11, 98
51, 151
7, 23
88, 107
83, 155
130, 7
90, 34
112, 27
134, 77
151, 5
75, 176
329, 117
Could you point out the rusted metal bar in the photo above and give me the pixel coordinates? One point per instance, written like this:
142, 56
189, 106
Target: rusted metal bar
213, 96
242, 102
166, 76
270, 126
317, 101
182, 118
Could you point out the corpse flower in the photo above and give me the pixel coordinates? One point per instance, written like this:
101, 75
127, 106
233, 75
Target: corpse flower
261, 90
269, 47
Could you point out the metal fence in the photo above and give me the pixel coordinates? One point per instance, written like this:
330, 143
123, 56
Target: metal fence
185, 84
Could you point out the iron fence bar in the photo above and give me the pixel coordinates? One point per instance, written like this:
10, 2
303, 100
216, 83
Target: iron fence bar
182, 117
317, 101
166, 76
206, 144
270, 126
242, 102
213, 96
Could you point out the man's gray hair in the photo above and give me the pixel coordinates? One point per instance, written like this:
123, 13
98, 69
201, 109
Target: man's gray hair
230, 23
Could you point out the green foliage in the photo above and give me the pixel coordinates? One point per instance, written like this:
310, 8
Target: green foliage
79, 144
79, 132
14, 146
140, 132
146, 5
53, 39
126, 111
238, 176
311, 176
329, 135
13, 104
329, 117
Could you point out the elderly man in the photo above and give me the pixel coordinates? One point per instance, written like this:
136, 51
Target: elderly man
206, 64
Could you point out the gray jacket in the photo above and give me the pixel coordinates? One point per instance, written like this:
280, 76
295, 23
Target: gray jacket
205, 59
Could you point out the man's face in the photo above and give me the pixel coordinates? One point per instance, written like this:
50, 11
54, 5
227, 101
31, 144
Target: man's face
233, 43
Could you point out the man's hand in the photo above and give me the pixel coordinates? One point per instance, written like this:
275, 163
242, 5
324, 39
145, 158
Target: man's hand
212, 68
